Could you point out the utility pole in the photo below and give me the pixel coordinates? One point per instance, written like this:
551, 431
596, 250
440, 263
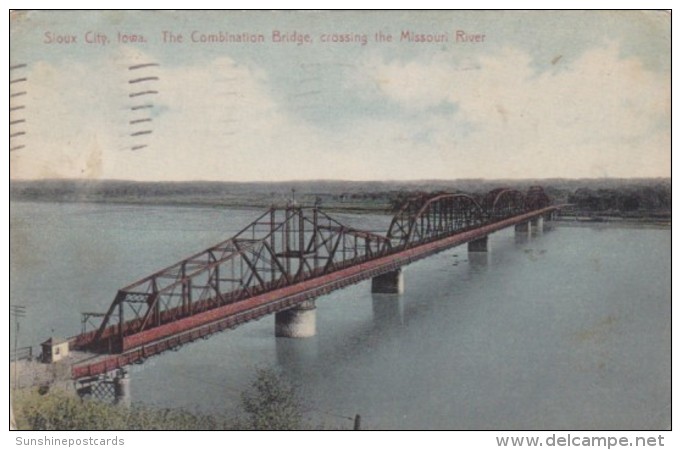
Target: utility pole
18, 311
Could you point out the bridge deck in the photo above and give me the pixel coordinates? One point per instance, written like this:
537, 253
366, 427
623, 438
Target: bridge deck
172, 335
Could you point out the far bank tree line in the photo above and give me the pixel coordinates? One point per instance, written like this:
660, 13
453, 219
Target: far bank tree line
611, 196
652, 200
646, 200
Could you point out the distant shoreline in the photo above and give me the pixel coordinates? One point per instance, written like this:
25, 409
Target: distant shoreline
350, 208
592, 201
567, 220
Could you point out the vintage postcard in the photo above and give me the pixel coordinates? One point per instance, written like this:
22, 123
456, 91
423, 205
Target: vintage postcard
375, 220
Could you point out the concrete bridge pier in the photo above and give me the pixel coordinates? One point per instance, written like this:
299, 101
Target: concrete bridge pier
121, 383
388, 283
112, 387
537, 225
297, 322
523, 227
549, 221
479, 245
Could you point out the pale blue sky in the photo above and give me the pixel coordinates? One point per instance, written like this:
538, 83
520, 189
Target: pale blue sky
545, 94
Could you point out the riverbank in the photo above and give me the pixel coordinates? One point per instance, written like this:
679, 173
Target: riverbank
26, 374
259, 204
350, 207
571, 221
271, 402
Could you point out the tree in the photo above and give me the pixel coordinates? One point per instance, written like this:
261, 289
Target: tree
271, 403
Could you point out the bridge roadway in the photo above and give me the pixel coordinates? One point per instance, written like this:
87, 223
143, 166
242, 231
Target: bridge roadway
174, 334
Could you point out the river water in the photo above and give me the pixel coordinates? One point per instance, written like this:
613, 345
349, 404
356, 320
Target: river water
565, 329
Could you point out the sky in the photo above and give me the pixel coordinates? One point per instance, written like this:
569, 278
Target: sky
496, 95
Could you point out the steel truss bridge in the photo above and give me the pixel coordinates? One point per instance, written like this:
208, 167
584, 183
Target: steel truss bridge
285, 257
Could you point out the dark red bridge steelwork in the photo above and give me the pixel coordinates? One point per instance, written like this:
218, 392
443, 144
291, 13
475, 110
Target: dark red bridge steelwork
285, 257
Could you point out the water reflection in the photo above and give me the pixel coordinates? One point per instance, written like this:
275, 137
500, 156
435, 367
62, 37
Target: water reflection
321, 353
478, 261
297, 354
521, 238
388, 309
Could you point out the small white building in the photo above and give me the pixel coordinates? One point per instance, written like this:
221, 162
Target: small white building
54, 349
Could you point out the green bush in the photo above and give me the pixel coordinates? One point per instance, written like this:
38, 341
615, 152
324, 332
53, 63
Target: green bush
271, 403
60, 410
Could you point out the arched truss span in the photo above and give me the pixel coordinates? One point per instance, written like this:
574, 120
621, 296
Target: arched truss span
536, 198
426, 218
502, 203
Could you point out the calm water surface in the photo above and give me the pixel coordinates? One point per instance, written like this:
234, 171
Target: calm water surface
567, 329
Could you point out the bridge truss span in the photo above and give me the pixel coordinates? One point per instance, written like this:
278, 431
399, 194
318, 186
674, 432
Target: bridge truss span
425, 218
502, 203
286, 256
280, 248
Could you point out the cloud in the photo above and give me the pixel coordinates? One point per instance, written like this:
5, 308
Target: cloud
596, 115
67, 110
498, 115
215, 121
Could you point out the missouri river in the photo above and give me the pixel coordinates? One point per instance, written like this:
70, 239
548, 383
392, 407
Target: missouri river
565, 329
